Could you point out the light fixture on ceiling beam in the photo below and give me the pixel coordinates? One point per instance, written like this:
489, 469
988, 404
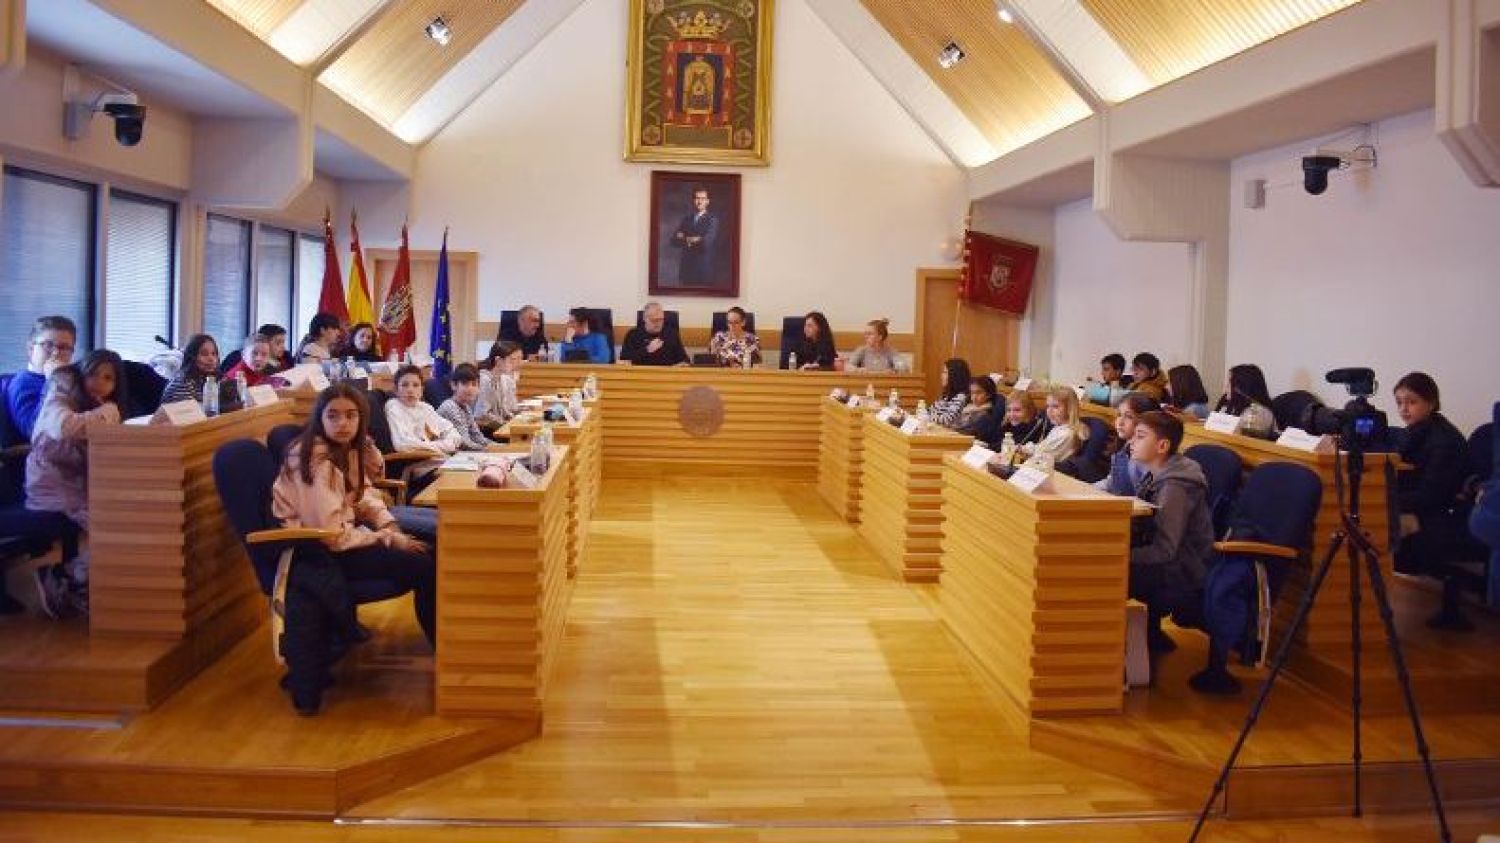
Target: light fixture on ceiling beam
951, 55
438, 31
1006, 16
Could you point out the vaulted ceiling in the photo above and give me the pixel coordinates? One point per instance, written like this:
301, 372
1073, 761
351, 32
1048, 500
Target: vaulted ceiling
1031, 67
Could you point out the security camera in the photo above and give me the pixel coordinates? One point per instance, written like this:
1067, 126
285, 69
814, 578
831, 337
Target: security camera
128, 113
122, 106
1315, 170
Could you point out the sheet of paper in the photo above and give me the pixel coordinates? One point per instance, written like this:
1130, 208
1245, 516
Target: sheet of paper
977, 456
1222, 423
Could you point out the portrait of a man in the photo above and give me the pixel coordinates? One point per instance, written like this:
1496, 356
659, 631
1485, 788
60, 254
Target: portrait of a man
694, 234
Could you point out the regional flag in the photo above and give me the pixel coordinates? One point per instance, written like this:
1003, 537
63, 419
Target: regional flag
997, 272
331, 297
440, 336
360, 308
398, 325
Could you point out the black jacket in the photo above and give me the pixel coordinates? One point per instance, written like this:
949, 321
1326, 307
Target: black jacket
671, 352
1440, 455
820, 352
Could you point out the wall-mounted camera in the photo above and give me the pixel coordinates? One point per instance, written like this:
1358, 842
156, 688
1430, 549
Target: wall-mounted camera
123, 107
1315, 168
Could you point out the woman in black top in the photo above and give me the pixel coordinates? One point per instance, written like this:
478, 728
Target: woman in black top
1439, 456
815, 349
363, 345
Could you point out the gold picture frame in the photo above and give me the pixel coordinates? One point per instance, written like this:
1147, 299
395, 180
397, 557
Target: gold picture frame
684, 101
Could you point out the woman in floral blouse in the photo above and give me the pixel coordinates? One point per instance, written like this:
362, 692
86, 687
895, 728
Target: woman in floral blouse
730, 346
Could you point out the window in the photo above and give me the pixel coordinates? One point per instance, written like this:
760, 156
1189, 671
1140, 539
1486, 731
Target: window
139, 258
46, 259
274, 256
226, 281
310, 262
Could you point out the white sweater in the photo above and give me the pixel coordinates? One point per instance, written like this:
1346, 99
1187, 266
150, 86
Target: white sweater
420, 428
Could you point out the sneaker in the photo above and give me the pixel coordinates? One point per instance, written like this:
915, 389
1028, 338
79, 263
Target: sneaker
53, 592
1216, 681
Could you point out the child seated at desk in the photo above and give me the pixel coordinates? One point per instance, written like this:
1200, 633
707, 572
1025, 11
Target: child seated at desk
1168, 567
415, 425
78, 396
459, 410
498, 380
1125, 473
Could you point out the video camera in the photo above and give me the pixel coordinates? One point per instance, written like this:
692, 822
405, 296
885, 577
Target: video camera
1359, 426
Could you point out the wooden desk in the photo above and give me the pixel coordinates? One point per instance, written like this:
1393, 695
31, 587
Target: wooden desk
503, 591
901, 496
586, 440
670, 419
1034, 585
841, 455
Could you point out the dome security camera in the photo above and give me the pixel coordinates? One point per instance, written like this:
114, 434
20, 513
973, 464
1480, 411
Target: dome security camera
1315, 170
127, 112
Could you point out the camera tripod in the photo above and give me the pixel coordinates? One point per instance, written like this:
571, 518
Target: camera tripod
1351, 537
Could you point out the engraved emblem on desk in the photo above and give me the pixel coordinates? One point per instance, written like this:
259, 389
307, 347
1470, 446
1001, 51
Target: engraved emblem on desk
700, 411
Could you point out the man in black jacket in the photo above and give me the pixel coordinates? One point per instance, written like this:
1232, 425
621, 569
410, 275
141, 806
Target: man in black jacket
652, 344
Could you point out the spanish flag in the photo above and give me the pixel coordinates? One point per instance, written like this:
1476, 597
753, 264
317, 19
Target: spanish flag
360, 307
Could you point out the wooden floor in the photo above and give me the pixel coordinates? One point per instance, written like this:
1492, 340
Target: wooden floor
736, 656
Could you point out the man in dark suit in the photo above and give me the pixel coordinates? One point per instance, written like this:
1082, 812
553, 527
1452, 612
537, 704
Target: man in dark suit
698, 238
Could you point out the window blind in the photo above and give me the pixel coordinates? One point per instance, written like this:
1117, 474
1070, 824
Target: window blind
46, 259
140, 256
226, 281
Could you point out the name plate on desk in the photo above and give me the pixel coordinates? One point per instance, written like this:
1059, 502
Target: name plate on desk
1299, 439
262, 395
885, 414
854, 401
1023, 384
977, 456
318, 381
179, 413
1030, 479
1222, 423
911, 426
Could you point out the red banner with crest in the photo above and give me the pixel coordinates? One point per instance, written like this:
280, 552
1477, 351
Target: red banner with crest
997, 272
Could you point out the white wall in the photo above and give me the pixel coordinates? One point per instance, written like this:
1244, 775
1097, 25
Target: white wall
1397, 269
531, 176
1112, 295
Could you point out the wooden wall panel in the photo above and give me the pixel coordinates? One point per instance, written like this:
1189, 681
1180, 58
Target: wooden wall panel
841, 456
901, 496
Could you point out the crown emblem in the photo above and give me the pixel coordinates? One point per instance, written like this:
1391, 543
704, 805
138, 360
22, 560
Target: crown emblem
707, 25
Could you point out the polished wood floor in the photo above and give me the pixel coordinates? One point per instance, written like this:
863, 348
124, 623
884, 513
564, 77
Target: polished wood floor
737, 658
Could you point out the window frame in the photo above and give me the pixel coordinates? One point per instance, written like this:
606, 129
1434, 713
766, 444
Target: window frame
93, 306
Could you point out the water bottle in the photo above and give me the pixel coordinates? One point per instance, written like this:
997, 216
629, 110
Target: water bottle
539, 451
922, 415
1008, 449
747, 360
870, 394
894, 402
591, 386
575, 404
242, 389
211, 396
350, 370
791, 362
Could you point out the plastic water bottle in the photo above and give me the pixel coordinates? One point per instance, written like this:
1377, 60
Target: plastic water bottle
791, 361
211, 396
870, 394
575, 404
1008, 449
242, 389
747, 360
591, 386
350, 370
923, 415
539, 451
894, 401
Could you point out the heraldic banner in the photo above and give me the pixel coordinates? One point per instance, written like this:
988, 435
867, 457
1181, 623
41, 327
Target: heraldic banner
997, 272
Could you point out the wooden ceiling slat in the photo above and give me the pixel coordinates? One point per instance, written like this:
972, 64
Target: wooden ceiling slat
1006, 86
1169, 39
394, 63
258, 16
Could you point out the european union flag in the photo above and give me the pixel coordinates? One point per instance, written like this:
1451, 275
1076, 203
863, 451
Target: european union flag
440, 338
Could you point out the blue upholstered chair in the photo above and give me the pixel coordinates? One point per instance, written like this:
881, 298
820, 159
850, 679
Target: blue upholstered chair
721, 321
1224, 471
1272, 524
143, 388
670, 326
1090, 464
791, 335
435, 391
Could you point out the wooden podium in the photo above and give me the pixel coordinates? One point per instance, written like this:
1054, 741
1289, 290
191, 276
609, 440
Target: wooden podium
901, 496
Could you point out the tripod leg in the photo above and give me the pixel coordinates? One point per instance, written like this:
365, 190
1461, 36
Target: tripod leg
1383, 601
1355, 648
1282, 653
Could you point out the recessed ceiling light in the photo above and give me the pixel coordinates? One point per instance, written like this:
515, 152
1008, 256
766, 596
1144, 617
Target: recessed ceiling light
1006, 16
951, 55
438, 31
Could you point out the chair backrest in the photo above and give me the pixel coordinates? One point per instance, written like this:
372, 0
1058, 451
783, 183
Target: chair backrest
1224, 471
1089, 464
1278, 504
243, 472
721, 321
280, 438
510, 323
10, 436
670, 325
380, 427
144, 387
230, 360
436, 390
1288, 407
791, 334
1482, 452
12, 471
603, 321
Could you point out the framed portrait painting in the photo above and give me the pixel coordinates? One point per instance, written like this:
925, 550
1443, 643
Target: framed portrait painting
695, 234
699, 81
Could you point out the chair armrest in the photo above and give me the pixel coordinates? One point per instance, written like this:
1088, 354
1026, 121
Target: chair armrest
1256, 549
290, 534
410, 456
396, 486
